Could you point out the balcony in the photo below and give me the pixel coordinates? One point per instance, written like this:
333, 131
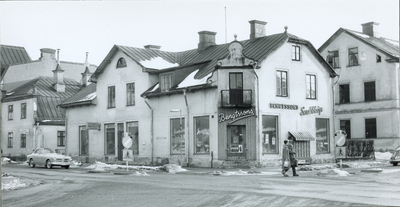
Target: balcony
236, 98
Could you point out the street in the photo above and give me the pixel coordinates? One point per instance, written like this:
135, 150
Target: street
75, 187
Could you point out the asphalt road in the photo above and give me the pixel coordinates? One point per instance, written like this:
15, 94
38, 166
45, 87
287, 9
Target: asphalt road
75, 187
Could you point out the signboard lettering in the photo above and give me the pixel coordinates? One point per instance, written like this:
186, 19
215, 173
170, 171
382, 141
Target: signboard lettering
311, 110
236, 116
283, 106
24, 131
93, 126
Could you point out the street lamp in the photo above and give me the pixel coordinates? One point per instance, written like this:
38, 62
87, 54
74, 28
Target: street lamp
180, 128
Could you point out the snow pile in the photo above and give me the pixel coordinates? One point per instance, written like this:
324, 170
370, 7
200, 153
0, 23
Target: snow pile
103, 167
139, 173
6, 160
157, 63
12, 184
332, 173
311, 168
383, 155
240, 172
362, 164
172, 168
76, 164
191, 81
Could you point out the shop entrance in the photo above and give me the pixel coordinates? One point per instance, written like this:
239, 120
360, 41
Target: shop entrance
237, 141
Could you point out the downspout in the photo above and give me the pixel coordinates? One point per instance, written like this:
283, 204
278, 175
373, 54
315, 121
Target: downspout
333, 107
187, 127
151, 131
258, 115
66, 133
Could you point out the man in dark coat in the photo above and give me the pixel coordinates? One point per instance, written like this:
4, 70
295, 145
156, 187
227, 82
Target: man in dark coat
288, 155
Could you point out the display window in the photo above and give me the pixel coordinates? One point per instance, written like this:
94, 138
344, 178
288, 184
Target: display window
202, 134
133, 129
83, 141
110, 139
177, 134
270, 137
322, 134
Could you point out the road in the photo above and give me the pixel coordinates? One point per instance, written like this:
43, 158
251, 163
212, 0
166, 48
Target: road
75, 187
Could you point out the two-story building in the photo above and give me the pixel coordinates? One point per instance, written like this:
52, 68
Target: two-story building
367, 94
216, 105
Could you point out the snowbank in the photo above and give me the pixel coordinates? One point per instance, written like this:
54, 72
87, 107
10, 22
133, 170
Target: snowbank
172, 168
100, 166
6, 160
383, 155
332, 173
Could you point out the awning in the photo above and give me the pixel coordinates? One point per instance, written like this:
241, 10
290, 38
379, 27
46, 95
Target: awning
302, 136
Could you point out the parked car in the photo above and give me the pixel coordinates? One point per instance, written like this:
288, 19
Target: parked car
48, 158
395, 159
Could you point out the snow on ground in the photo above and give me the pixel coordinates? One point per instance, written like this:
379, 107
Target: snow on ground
332, 173
383, 155
9, 182
6, 160
100, 166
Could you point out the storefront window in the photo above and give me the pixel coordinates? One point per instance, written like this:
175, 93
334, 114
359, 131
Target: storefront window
322, 134
177, 136
84, 141
270, 138
202, 134
110, 139
133, 129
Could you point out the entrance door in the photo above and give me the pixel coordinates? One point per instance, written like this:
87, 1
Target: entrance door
120, 134
236, 140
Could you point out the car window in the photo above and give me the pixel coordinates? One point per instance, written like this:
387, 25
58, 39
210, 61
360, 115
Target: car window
39, 151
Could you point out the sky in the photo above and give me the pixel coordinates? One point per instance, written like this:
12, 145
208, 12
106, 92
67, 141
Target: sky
77, 27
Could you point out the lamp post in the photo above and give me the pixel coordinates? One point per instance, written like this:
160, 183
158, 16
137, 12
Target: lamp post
180, 128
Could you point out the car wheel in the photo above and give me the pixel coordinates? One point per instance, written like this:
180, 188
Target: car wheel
395, 163
48, 164
31, 163
66, 167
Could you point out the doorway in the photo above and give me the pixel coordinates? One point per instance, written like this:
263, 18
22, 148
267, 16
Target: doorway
237, 140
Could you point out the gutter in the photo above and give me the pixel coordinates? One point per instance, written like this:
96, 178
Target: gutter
258, 114
333, 107
151, 130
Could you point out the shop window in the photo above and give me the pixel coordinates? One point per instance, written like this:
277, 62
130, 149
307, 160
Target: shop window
322, 134
378, 58
281, 83
370, 128
10, 112
296, 52
130, 94
311, 87
344, 93
236, 88
177, 135
353, 56
83, 141
345, 126
202, 134
121, 63
110, 139
10, 140
369, 91
23, 140
111, 97
133, 129
166, 81
61, 138
23, 110
270, 136
333, 59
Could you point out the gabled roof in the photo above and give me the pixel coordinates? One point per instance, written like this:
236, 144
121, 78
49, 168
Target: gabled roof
387, 46
84, 97
12, 55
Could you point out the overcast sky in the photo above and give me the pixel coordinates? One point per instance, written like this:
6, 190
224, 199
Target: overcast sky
77, 27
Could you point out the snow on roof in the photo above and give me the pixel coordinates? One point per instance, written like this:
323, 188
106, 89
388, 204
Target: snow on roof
393, 42
155, 87
90, 96
361, 35
190, 81
157, 63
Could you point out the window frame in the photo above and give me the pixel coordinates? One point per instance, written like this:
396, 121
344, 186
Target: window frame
135, 138
378, 58
121, 63
353, 61
10, 112
86, 145
327, 139
23, 141
61, 138
345, 127
270, 139
280, 83
344, 93
371, 127
203, 134
369, 91
111, 94
296, 53
10, 139
130, 94
111, 150
23, 110
309, 86
165, 86
173, 138
333, 59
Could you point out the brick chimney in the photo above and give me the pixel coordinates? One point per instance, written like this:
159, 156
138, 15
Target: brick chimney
47, 53
257, 29
152, 47
371, 29
58, 75
206, 39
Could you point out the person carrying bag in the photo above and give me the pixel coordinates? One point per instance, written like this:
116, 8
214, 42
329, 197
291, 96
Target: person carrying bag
288, 159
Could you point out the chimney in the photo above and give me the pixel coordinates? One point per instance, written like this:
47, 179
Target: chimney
257, 29
152, 47
206, 39
34, 89
86, 60
47, 53
58, 75
86, 74
371, 29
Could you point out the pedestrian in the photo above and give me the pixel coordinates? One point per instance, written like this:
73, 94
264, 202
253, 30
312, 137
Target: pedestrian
288, 157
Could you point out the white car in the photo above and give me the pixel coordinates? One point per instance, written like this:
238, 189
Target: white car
48, 158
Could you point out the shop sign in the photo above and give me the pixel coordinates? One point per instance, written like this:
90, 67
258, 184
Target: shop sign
236, 116
311, 110
236, 148
283, 106
93, 126
24, 131
340, 152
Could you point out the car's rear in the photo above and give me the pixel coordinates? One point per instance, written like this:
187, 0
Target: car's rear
395, 159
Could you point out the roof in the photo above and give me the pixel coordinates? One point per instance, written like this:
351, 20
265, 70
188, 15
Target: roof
387, 46
12, 55
302, 136
48, 112
83, 97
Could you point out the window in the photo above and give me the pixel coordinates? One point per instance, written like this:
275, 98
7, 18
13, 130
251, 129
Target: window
281, 83
83, 141
111, 97
344, 93
23, 110
10, 140
10, 112
177, 135
61, 138
23, 140
311, 87
236, 88
370, 128
110, 139
353, 56
270, 135
296, 52
369, 91
202, 134
345, 126
166, 81
133, 129
121, 63
130, 94
322, 134
333, 59
378, 58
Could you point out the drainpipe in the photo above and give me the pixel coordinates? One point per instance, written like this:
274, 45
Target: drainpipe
333, 107
187, 127
151, 131
258, 114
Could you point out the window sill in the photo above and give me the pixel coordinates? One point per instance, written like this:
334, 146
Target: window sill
202, 153
131, 105
110, 107
349, 66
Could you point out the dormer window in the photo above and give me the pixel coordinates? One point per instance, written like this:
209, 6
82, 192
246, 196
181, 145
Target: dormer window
121, 63
333, 59
378, 59
295, 52
166, 81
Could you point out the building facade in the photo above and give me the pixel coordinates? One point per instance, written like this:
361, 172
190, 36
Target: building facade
216, 105
367, 94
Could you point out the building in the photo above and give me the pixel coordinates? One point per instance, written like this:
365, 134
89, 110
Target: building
31, 117
12, 55
367, 94
216, 105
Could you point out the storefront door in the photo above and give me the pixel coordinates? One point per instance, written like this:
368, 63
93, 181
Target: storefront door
236, 140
